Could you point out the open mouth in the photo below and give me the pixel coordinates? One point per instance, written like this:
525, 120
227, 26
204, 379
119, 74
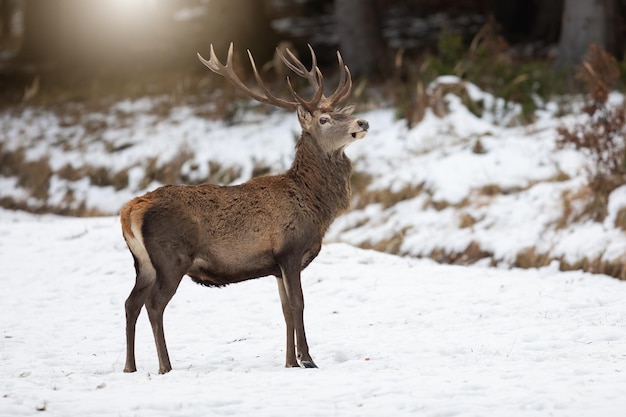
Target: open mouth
359, 135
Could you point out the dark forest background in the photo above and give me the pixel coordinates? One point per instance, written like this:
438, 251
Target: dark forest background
53, 50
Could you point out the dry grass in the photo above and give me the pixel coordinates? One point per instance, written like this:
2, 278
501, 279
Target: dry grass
64, 210
389, 245
219, 174
359, 181
467, 220
581, 204
35, 177
168, 172
614, 268
478, 148
364, 197
11, 162
490, 190
472, 253
99, 176
530, 258
620, 219
260, 170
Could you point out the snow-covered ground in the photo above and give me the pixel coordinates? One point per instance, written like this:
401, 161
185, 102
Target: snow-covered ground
393, 336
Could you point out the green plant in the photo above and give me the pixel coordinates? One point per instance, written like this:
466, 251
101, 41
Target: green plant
486, 61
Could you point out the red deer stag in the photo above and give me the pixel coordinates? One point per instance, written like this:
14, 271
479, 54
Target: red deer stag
271, 225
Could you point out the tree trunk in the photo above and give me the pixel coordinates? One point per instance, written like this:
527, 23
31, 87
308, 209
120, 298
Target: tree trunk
360, 37
40, 40
586, 22
547, 22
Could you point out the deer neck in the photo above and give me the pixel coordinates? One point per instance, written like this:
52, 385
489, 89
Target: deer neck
323, 179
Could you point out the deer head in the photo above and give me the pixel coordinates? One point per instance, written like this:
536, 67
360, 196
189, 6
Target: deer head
333, 129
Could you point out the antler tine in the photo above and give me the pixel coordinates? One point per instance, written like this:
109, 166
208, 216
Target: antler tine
314, 76
294, 64
345, 84
312, 104
289, 105
227, 72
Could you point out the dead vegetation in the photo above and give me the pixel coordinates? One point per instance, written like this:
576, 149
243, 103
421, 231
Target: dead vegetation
34, 176
98, 176
602, 136
389, 245
386, 197
526, 258
472, 254
530, 258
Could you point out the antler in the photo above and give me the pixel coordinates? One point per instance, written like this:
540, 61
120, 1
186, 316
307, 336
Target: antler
227, 72
314, 76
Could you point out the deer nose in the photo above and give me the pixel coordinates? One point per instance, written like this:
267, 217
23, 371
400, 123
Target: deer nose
363, 124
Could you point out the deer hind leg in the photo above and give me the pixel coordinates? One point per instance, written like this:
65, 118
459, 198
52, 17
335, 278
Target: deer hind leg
293, 289
158, 298
135, 301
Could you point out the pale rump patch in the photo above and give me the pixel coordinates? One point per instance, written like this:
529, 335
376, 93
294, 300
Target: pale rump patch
131, 217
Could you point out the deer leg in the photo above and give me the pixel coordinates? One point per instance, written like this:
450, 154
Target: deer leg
158, 299
293, 287
134, 302
290, 361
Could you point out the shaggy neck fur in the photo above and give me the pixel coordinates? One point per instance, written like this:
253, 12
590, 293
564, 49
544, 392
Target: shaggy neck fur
324, 179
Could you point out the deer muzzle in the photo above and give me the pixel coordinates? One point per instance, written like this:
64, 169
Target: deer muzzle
362, 128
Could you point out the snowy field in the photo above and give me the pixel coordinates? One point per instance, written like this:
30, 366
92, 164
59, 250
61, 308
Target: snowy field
393, 336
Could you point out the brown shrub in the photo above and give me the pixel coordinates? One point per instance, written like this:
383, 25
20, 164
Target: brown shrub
620, 219
222, 175
167, 173
466, 221
603, 134
389, 245
530, 258
35, 176
472, 253
99, 176
386, 197
11, 161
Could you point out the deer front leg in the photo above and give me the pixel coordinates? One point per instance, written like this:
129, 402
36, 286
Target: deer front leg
290, 361
293, 288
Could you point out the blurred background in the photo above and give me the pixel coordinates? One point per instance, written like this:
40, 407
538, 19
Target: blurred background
85, 49
498, 126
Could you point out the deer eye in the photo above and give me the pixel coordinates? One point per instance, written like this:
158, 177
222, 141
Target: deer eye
324, 120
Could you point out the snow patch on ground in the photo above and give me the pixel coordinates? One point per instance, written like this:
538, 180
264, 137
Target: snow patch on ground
392, 336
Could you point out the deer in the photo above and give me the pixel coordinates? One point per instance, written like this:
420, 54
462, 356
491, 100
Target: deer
271, 225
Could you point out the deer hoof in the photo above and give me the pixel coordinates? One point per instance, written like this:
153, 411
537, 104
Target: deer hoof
309, 364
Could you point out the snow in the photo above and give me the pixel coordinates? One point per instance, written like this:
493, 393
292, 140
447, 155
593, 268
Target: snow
393, 336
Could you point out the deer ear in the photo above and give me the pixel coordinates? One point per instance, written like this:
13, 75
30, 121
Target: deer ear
347, 109
304, 117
